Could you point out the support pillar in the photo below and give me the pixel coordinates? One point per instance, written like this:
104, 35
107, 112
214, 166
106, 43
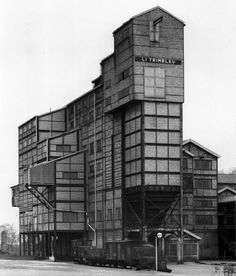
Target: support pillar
144, 233
235, 229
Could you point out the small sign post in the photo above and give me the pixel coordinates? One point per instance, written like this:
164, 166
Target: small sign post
158, 236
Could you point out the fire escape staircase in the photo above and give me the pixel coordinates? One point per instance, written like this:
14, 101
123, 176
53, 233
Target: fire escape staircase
39, 196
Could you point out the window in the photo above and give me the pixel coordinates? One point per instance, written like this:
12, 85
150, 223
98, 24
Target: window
203, 203
98, 111
173, 249
70, 175
185, 163
203, 164
91, 169
107, 101
203, 183
185, 219
154, 81
99, 166
123, 93
190, 249
91, 218
204, 219
91, 148
99, 215
118, 213
133, 167
185, 201
154, 29
70, 217
107, 84
63, 148
71, 112
91, 115
187, 181
99, 145
123, 75
109, 214
98, 95
91, 100
133, 139
85, 118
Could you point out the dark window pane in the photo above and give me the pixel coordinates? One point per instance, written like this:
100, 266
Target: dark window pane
203, 164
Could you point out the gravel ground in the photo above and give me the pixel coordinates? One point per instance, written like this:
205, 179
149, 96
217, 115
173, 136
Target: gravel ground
22, 267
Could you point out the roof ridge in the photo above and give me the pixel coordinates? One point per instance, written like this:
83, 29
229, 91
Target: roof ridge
200, 146
159, 7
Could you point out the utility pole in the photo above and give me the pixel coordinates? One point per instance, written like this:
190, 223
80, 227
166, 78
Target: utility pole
95, 171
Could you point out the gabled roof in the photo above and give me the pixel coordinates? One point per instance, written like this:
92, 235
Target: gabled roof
226, 189
160, 8
185, 142
192, 235
142, 13
188, 153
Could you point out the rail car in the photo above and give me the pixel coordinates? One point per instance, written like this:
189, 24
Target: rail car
125, 253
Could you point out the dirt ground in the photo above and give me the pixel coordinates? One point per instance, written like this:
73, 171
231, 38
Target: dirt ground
19, 266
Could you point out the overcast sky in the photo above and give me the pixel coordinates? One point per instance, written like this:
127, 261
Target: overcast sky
50, 51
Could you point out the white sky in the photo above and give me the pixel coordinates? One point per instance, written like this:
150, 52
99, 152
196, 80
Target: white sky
50, 51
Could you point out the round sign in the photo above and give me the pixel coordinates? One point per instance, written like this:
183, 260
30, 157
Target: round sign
159, 235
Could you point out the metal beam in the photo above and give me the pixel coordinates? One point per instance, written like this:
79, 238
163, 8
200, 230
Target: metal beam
133, 211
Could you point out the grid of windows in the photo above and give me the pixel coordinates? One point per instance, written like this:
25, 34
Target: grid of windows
162, 143
202, 183
161, 178
161, 123
161, 137
70, 217
203, 203
70, 175
204, 219
154, 81
133, 167
162, 151
162, 109
190, 249
63, 148
133, 146
203, 164
123, 93
123, 75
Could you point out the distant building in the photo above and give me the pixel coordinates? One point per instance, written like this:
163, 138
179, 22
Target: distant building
9, 240
227, 213
200, 173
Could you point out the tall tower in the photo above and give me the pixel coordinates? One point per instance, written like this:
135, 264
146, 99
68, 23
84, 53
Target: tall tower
145, 85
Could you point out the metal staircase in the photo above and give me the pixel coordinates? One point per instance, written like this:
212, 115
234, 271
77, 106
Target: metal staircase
39, 196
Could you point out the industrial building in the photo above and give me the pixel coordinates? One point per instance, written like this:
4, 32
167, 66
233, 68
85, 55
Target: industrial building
226, 215
112, 164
